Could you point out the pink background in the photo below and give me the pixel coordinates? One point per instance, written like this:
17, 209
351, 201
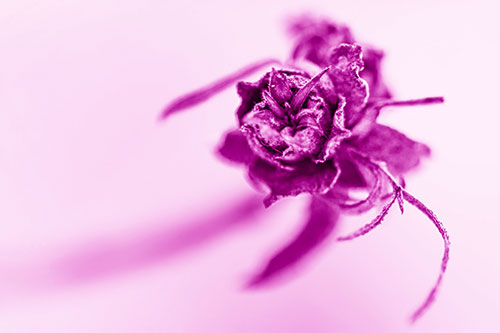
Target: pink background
91, 185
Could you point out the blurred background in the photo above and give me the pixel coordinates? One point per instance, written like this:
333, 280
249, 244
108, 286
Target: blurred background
113, 222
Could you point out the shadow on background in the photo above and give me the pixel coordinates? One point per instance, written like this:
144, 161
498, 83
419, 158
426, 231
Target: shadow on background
119, 255
131, 251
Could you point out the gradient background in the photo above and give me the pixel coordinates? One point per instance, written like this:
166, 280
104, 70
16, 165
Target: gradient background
111, 222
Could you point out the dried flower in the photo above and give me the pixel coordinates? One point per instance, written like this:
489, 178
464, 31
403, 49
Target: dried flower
316, 132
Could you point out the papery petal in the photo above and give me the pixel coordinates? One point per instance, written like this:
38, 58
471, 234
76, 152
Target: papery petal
314, 38
337, 134
400, 153
371, 178
346, 63
235, 148
263, 137
251, 94
278, 87
306, 177
302, 144
372, 59
321, 221
350, 174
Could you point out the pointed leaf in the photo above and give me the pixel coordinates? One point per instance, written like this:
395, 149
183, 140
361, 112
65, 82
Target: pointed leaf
301, 95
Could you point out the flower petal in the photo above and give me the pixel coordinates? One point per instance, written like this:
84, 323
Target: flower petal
385, 144
322, 219
278, 86
337, 134
251, 92
372, 59
305, 177
314, 38
346, 63
356, 174
235, 148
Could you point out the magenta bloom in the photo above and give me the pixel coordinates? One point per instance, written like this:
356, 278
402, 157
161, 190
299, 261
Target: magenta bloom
311, 127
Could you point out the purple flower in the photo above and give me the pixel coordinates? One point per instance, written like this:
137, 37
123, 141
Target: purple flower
315, 131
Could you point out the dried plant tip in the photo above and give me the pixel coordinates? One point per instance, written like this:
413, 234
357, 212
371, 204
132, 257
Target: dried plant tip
278, 86
301, 95
400, 202
444, 262
273, 104
410, 102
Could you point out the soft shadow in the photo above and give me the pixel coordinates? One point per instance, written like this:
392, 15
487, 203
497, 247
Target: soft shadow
118, 255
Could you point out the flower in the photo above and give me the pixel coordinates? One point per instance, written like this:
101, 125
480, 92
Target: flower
297, 132
316, 132
289, 119
294, 123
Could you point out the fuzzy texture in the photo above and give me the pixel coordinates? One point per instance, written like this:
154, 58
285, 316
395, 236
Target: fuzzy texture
316, 132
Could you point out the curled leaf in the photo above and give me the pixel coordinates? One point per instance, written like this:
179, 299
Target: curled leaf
372, 73
305, 177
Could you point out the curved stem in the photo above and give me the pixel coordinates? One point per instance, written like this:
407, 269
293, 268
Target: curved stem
400, 194
374, 223
444, 261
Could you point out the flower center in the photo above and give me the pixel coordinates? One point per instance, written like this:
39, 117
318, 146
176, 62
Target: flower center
292, 120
